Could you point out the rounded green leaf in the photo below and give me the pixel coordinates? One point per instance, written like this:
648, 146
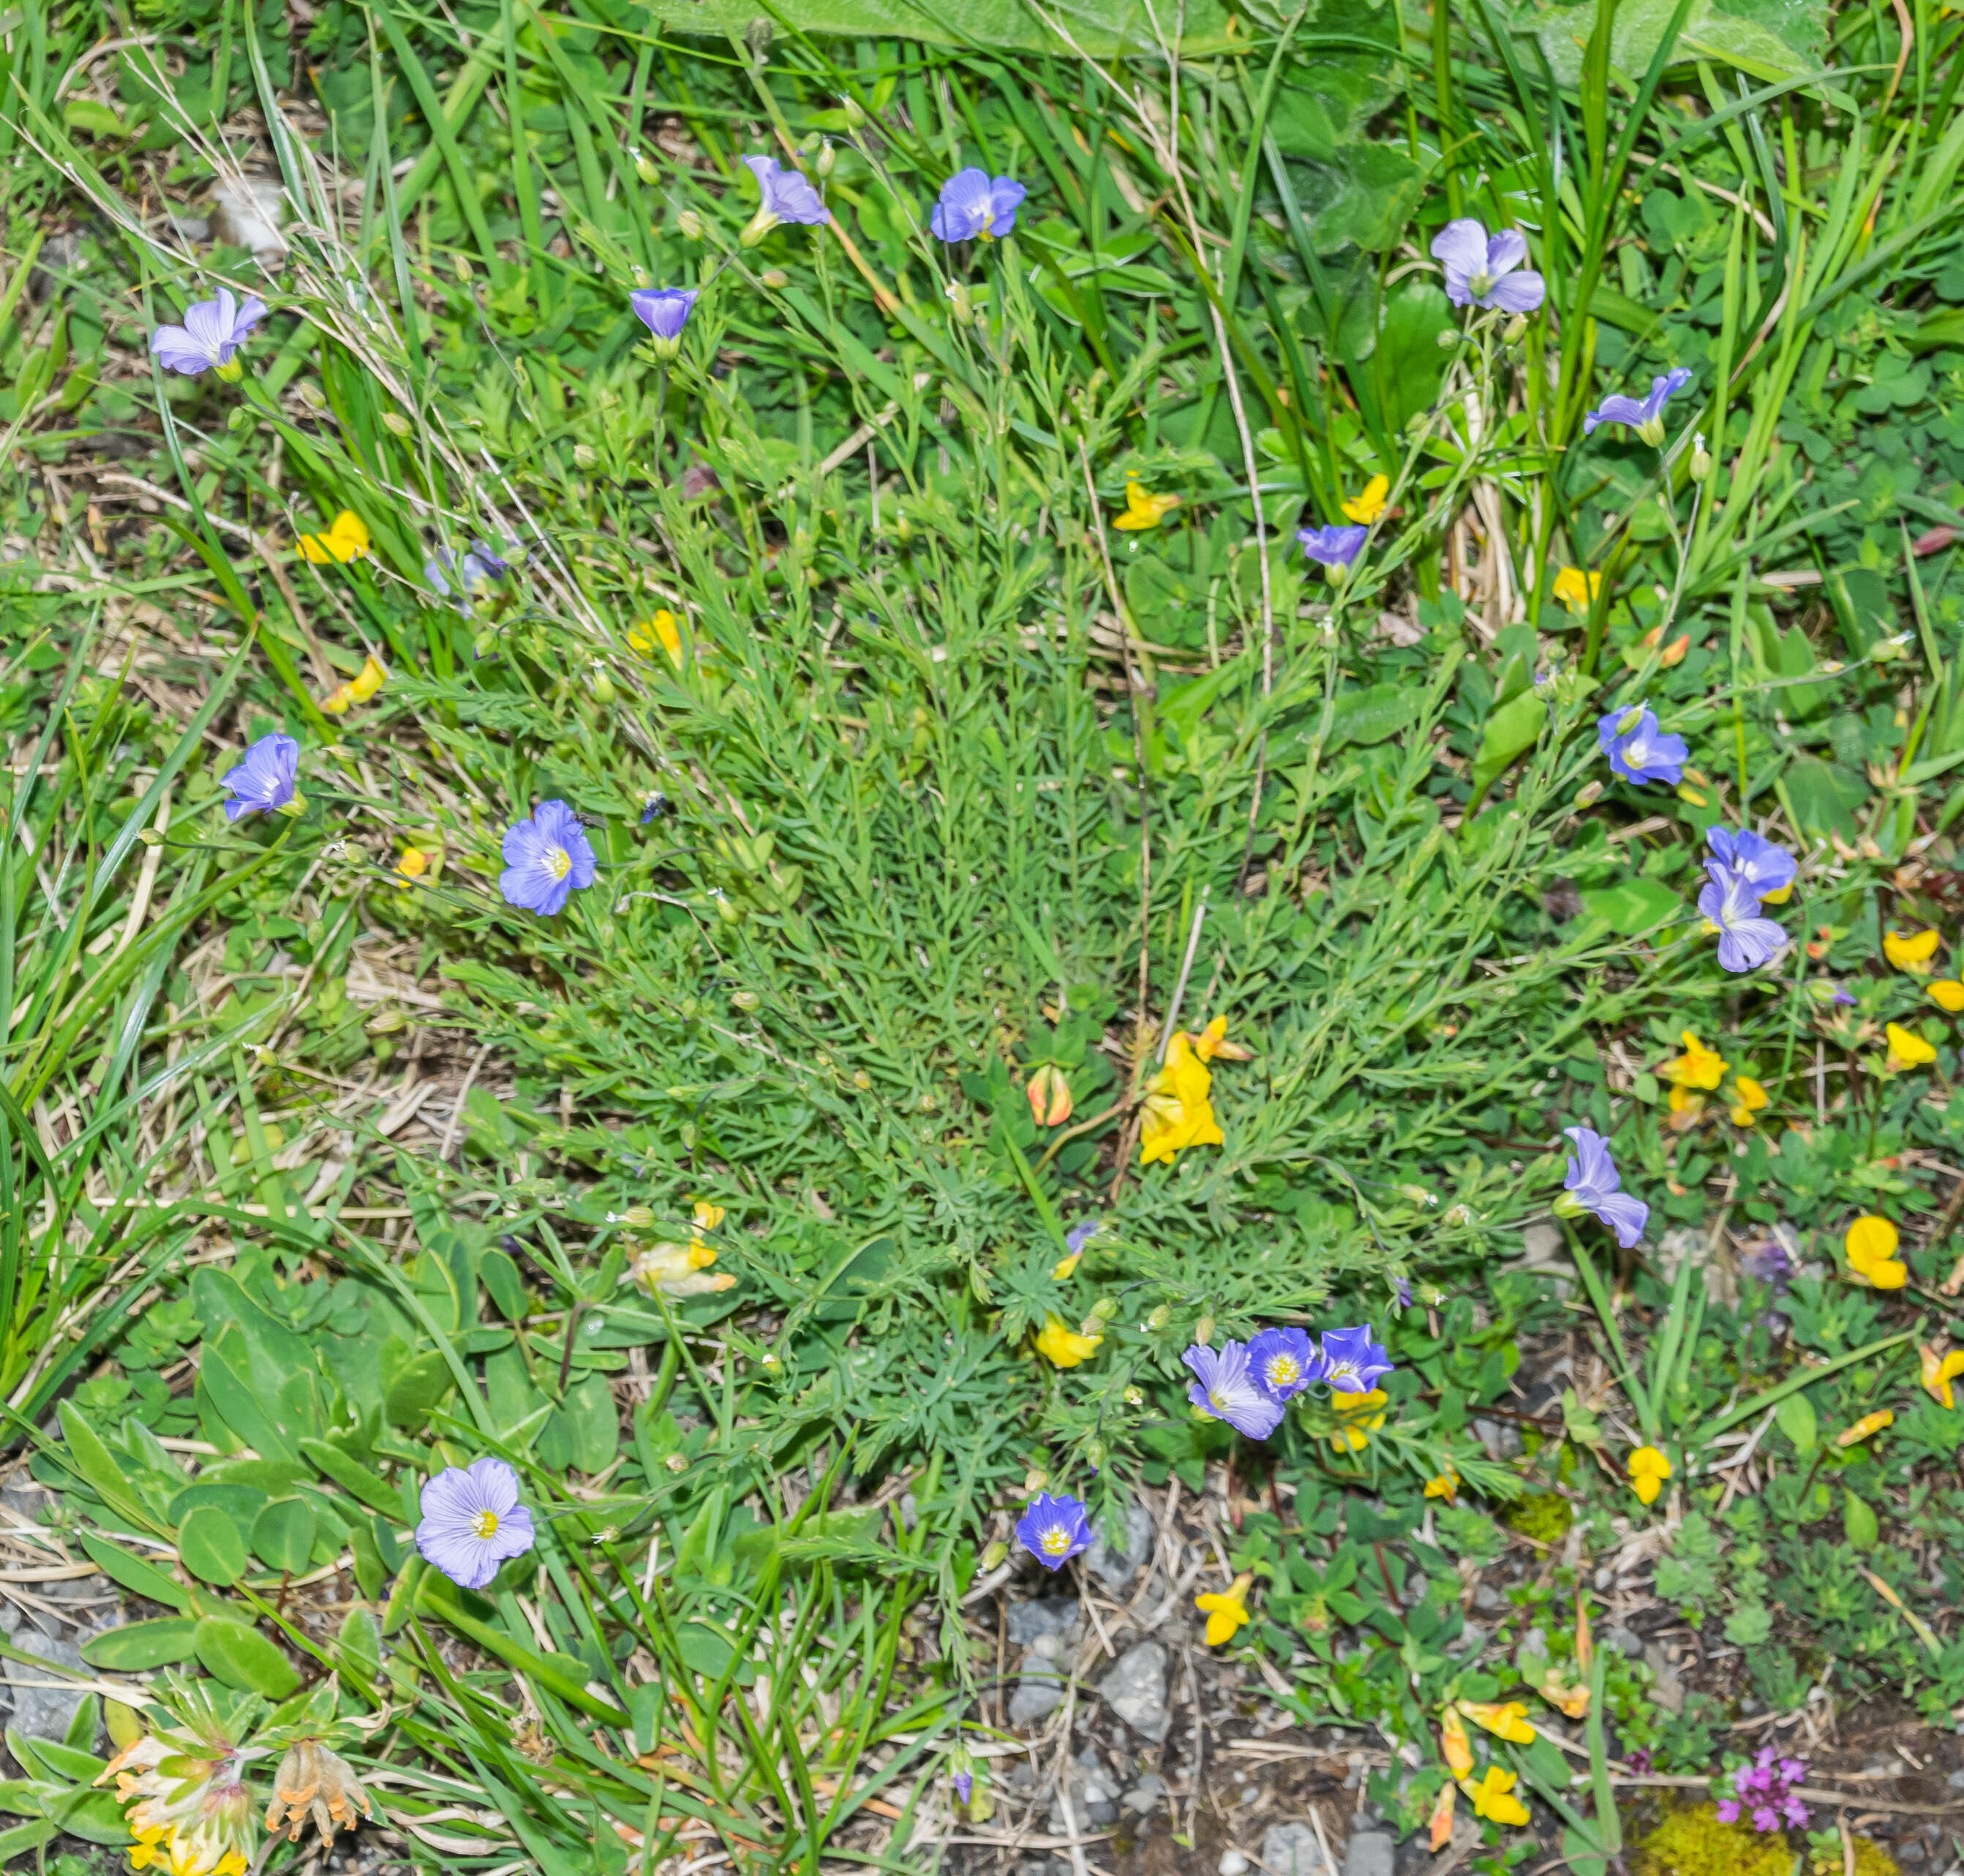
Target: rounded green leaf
359, 1646
1859, 1524
1797, 1420
210, 1546
283, 1535
140, 1645
243, 1658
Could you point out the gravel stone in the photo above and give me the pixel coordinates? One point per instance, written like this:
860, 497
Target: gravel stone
1293, 1850
1117, 1569
42, 1712
1136, 1688
1370, 1853
1050, 1615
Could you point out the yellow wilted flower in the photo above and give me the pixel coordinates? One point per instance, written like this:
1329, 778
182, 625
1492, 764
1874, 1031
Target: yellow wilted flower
1907, 1049
1454, 1746
1492, 1796
660, 630
1213, 1041
1143, 509
1446, 1486
1572, 1700
1939, 1370
1576, 589
1440, 1824
706, 1214
1752, 1098
1367, 507
1355, 1434
358, 689
1869, 1423
677, 1270
1177, 1111
346, 540
1226, 1610
1648, 1470
1697, 1067
1062, 1346
1049, 1096
1912, 953
1948, 993
1508, 1722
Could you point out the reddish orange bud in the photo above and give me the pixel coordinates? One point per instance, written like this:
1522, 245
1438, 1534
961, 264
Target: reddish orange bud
1050, 1096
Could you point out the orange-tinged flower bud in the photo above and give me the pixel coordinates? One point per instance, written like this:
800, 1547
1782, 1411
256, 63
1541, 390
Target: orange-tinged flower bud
1454, 1745
1869, 1423
1049, 1096
1441, 1816
1508, 1719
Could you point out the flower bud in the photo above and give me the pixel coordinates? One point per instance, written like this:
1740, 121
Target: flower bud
1448, 339
775, 278
602, 684
1035, 1479
1651, 431
645, 166
1203, 1330
1096, 1454
1701, 459
396, 423
1134, 1398
992, 1557
745, 999
585, 455
312, 395
675, 1462
856, 115
828, 157
1101, 1312
1510, 333
689, 225
1160, 1317
961, 301
1458, 1216
1588, 795
640, 1217
151, 838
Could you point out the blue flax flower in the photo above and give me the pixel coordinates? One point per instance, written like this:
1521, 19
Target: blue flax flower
1481, 272
787, 196
1333, 548
1594, 1185
1767, 867
212, 331
1053, 1530
545, 858
1403, 1284
473, 574
1226, 1388
1353, 1363
1081, 1234
1284, 1361
1746, 941
263, 781
472, 1521
1638, 749
972, 207
664, 311
1646, 417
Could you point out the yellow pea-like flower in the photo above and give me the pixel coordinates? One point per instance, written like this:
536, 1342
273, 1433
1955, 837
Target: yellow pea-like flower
1367, 507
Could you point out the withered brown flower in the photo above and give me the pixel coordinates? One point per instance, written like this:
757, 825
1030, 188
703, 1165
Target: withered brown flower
312, 1781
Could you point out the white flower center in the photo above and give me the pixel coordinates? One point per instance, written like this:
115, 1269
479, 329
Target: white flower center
1346, 1380
1479, 285
1284, 1369
1055, 1540
484, 1526
558, 864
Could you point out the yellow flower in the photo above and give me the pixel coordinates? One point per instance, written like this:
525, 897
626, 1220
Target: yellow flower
1572, 1700
1648, 1470
1492, 1796
357, 690
1752, 1098
1939, 1371
1697, 1067
1454, 1746
1354, 1433
1178, 1112
1143, 509
1913, 954
1049, 1096
1213, 1040
347, 540
1508, 1722
1948, 993
705, 1214
1907, 1049
1576, 589
1446, 1486
1870, 1240
1869, 1423
662, 629
1063, 1347
1370, 505
677, 1270
1227, 1612
1064, 1267
412, 863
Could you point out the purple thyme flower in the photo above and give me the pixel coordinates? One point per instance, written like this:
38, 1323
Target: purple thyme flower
1746, 941
1081, 1234
972, 207
1481, 272
1646, 418
472, 1521
1353, 1363
1772, 1263
1334, 548
1227, 1389
1638, 749
262, 783
1767, 869
664, 311
545, 859
1284, 1361
1765, 1791
1053, 1530
1593, 1185
212, 331
787, 195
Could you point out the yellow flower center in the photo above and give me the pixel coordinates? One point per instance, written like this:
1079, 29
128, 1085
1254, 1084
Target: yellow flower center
1284, 1370
1055, 1541
485, 1524
559, 863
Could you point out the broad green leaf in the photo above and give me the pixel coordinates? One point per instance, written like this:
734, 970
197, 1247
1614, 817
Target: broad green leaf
1374, 714
1796, 1419
1633, 905
1767, 39
1859, 1523
243, 1658
140, 1645
353, 1477
135, 1575
992, 25
211, 1547
1510, 733
283, 1535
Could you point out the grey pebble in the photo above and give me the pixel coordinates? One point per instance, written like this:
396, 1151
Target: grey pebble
1293, 1850
1370, 1853
1136, 1688
1117, 1568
